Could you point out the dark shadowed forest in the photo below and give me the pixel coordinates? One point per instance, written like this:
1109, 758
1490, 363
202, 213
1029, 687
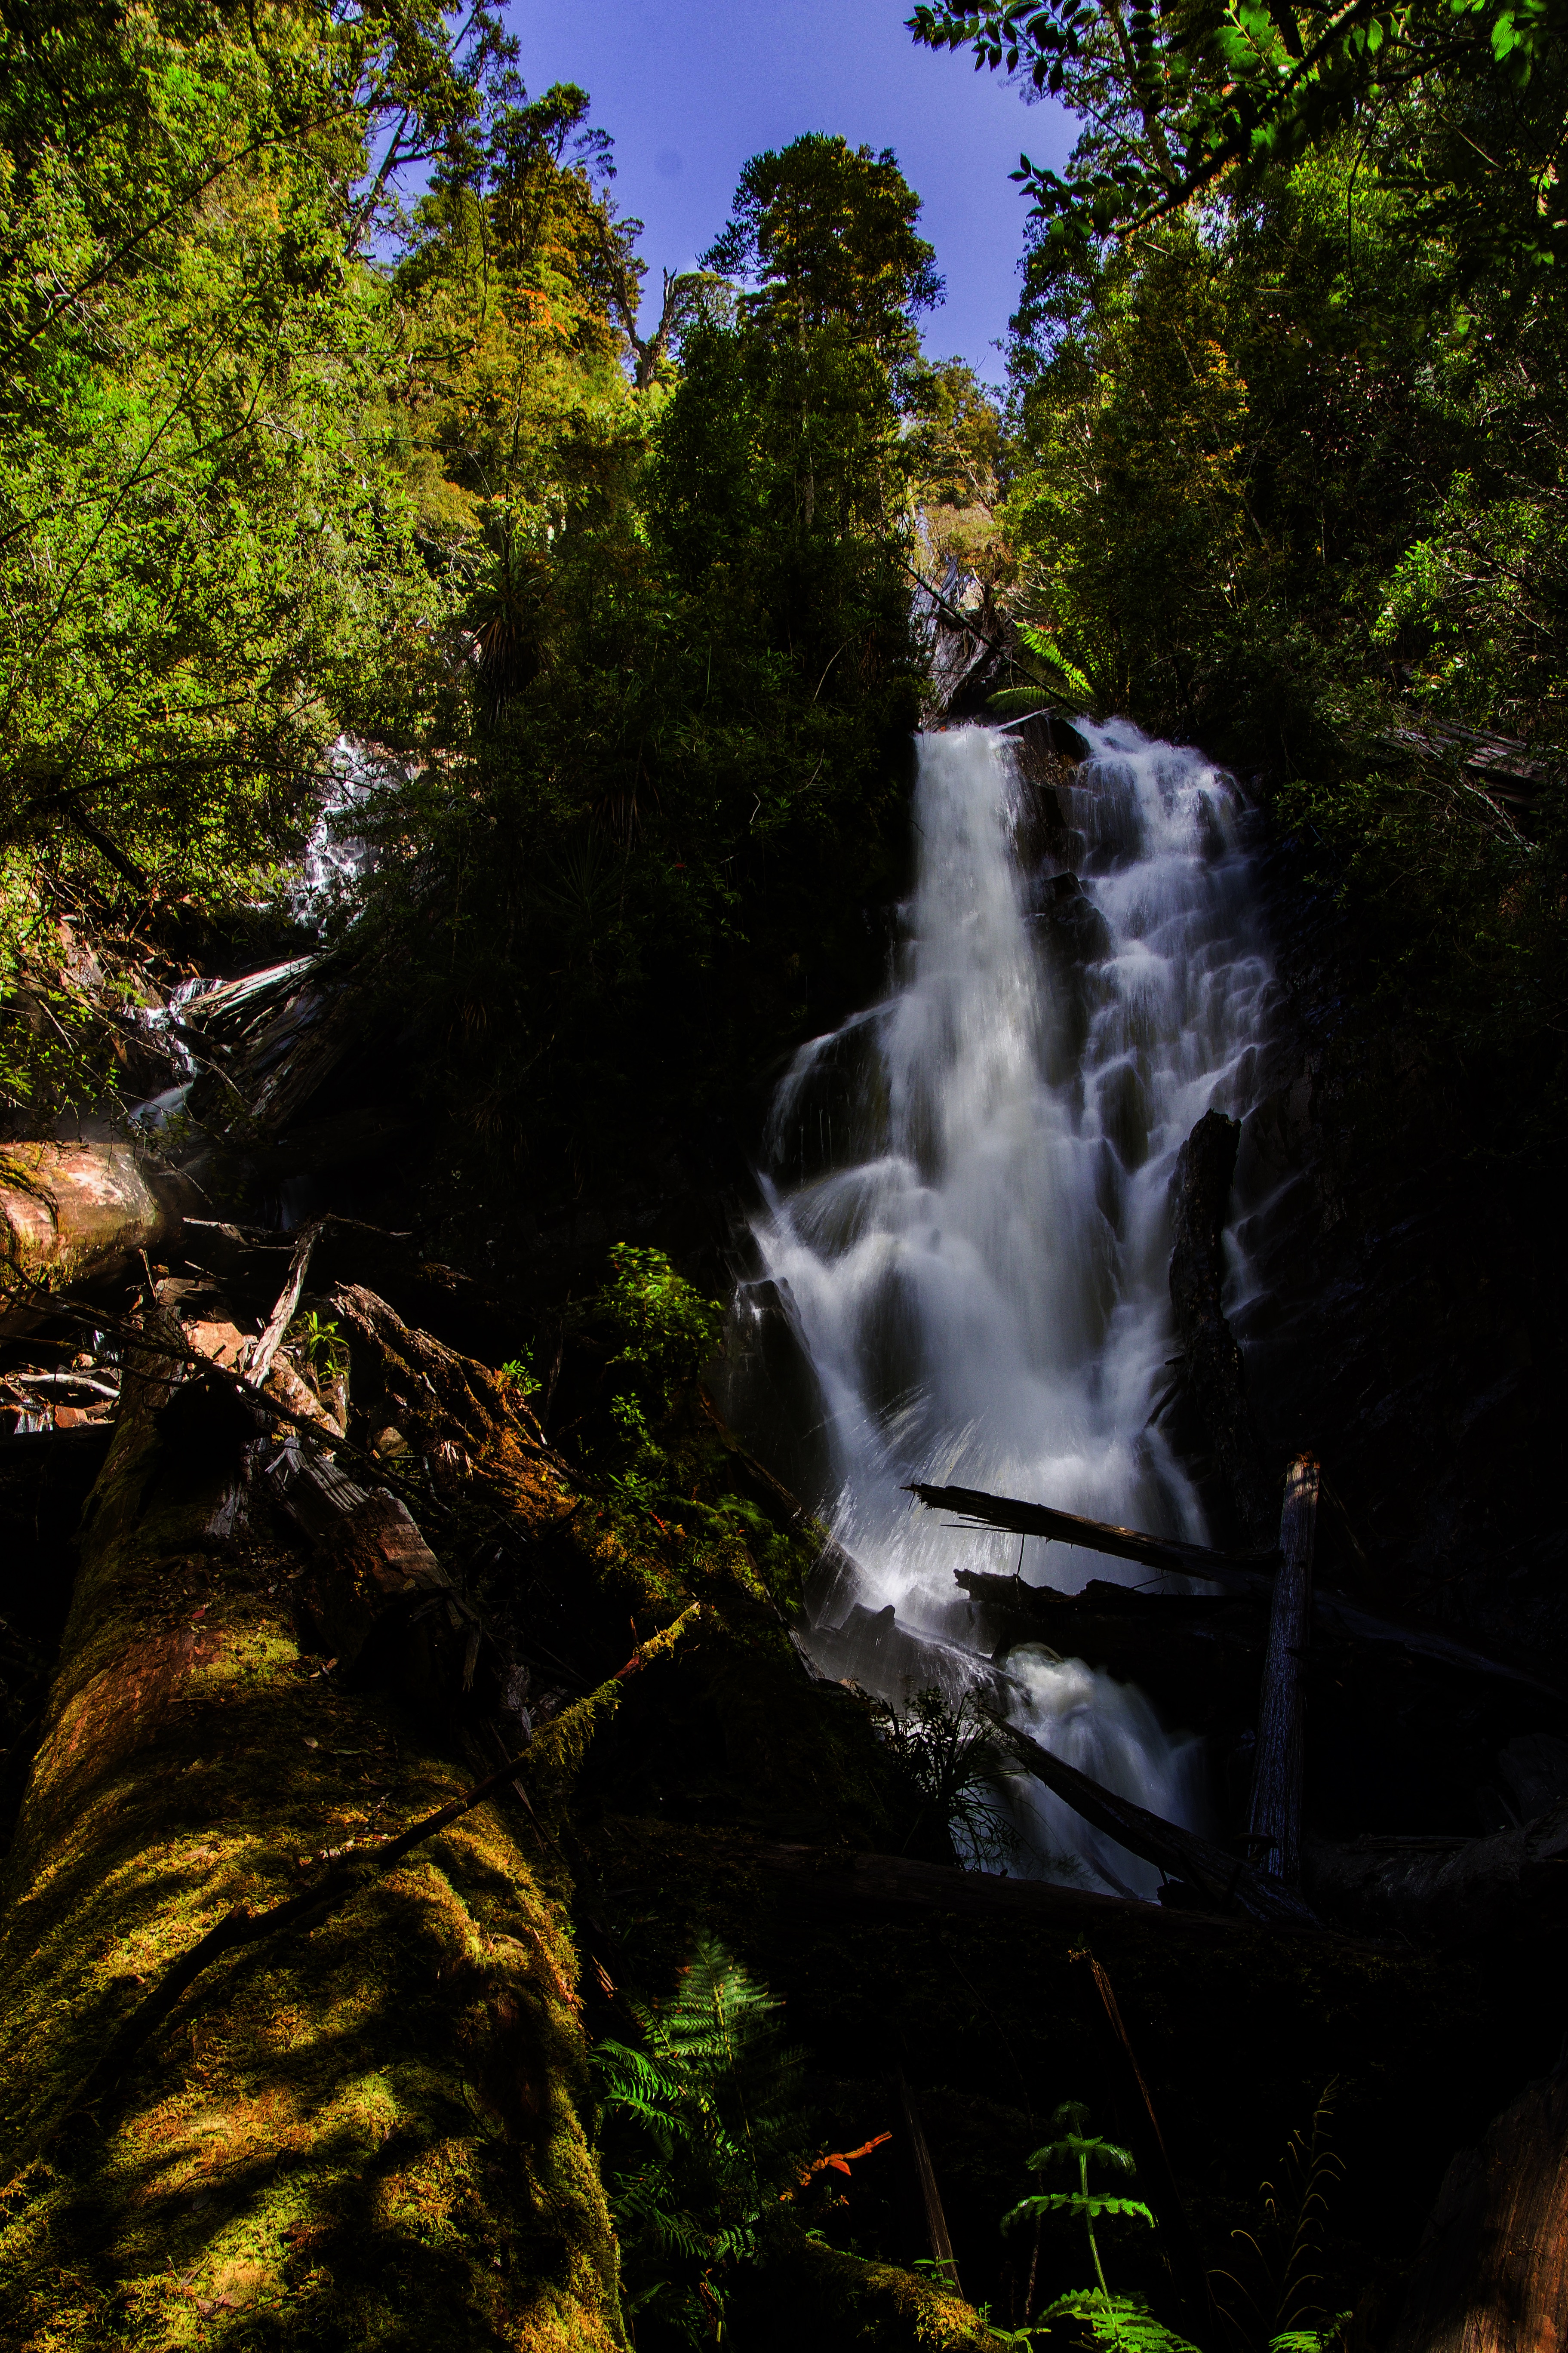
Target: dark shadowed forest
781, 1557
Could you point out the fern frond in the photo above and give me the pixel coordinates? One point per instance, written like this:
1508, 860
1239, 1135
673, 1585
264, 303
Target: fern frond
1090, 2203
1047, 649
1119, 2321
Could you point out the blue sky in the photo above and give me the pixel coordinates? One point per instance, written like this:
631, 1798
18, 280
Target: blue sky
689, 88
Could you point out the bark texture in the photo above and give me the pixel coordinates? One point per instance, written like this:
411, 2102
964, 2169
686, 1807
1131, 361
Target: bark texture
1200, 1201
1282, 1732
1492, 2275
72, 1212
368, 2136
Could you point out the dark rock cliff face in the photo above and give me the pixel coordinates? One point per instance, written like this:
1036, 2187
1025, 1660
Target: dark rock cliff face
1409, 1322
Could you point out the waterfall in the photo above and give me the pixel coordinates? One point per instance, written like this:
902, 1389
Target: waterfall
966, 1225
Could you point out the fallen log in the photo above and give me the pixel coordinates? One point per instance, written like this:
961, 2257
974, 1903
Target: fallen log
1276, 1820
1491, 2273
282, 1316
1214, 1877
375, 1599
345, 1879
72, 1213
1241, 1572
287, 1029
1448, 1890
1197, 1656
420, 2060
1237, 1572
441, 1402
1213, 1373
833, 1880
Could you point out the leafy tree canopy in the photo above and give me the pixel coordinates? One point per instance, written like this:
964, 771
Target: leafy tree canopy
1175, 98
825, 234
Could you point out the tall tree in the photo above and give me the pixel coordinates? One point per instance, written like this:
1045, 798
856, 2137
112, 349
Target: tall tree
203, 540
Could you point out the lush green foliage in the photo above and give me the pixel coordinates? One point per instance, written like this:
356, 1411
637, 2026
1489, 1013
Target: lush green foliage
1100, 2317
680, 777
205, 553
665, 1328
281, 461
1288, 473
703, 2134
1174, 99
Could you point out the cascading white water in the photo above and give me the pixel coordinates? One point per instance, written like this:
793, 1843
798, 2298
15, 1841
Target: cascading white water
966, 1215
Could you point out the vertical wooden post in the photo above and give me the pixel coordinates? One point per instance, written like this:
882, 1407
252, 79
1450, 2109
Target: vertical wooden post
1276, 1772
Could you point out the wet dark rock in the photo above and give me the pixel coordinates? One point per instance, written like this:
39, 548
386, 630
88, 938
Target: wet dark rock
1409, 1305
1532, 1772
1214, 1374
1074, 931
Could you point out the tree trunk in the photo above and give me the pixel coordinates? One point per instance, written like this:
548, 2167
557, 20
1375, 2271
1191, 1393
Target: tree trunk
1276, 1773
1199, 1199
1491, 2274
372, 2130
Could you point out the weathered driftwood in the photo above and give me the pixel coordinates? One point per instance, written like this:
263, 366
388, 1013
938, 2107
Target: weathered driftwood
1212, 1370
1276, 1820
1448, 1890
72, 1213
1213, 1876
1492, 2273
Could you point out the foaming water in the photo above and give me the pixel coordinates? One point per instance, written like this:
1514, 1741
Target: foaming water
966, 1220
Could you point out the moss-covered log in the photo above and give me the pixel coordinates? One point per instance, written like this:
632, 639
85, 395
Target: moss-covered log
70, 1212
368, 2135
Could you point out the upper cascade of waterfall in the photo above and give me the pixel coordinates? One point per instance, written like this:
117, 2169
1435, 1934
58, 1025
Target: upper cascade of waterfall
966, 1192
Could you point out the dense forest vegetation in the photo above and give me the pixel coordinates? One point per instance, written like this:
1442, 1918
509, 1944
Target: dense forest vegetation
357, 487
